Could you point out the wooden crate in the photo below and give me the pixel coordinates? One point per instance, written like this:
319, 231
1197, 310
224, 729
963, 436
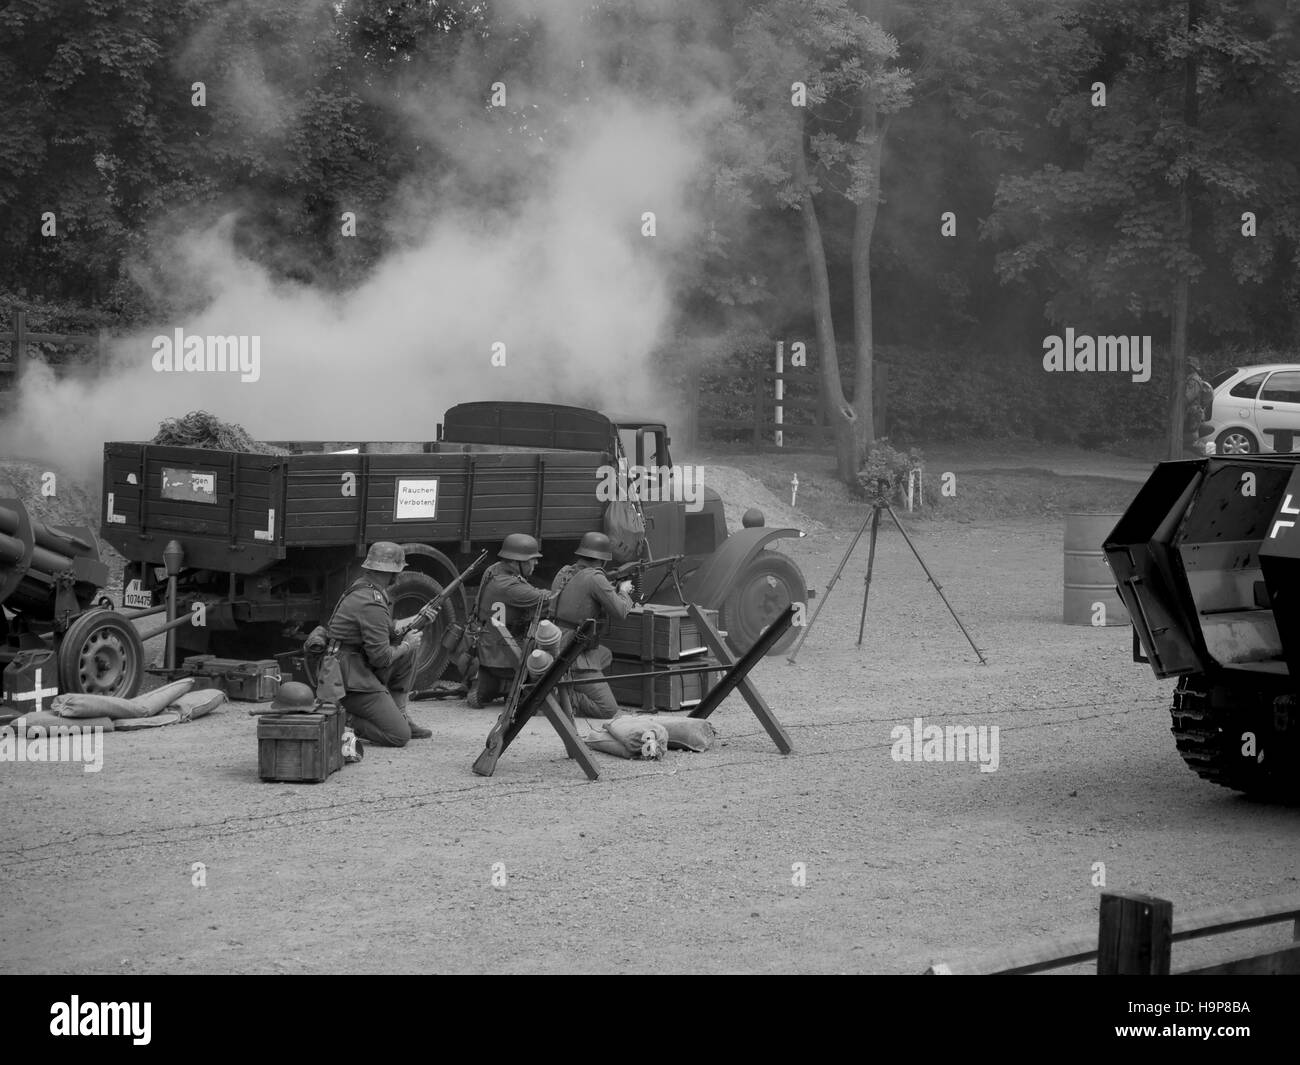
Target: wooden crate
242, 680
669, 692
300, 747
655, 632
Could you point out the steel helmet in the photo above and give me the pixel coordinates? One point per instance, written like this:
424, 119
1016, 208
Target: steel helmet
594, 545
294, 696
519, 547
386, 557
753, 519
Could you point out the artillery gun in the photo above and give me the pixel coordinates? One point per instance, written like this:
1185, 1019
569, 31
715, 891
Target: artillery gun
1207, 563
50, 604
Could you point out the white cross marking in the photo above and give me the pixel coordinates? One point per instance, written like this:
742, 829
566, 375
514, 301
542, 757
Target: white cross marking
35, 695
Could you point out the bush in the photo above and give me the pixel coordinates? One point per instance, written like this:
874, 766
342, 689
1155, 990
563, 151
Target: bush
886, 463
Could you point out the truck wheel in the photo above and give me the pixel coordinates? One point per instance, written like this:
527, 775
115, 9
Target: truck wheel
765, 587
1209, 726
101, 654
408, 593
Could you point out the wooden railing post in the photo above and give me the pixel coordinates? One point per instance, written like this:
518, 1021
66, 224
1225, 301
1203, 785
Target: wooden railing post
1134, 935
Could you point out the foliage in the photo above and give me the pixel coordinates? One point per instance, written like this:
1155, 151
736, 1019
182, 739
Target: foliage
885, 463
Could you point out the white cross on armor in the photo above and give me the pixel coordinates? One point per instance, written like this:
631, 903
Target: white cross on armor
35, 695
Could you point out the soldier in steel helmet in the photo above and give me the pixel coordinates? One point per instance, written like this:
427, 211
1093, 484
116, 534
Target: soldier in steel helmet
505, 587
583, 591
377, 666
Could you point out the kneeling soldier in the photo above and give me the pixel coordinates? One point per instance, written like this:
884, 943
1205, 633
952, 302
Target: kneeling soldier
506, 583
377, 669
585, 592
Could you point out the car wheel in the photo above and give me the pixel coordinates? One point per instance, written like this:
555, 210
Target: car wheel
1235, 442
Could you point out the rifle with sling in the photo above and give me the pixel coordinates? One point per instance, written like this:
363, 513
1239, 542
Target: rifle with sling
495, 740
515, 717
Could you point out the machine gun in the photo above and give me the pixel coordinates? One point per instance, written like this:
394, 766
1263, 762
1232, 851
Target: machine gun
636, 569
428, 613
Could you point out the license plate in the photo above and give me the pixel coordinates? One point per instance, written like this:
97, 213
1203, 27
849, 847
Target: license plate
134, 597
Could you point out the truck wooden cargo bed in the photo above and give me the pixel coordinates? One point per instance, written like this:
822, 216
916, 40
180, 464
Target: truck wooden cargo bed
239, 512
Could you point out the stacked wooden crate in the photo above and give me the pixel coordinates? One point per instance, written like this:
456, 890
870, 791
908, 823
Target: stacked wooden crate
656, 637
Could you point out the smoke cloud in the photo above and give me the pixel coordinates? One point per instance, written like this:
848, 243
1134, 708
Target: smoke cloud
562, 275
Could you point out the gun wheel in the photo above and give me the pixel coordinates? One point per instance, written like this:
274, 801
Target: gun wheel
408, 593
1211, 734
101, 654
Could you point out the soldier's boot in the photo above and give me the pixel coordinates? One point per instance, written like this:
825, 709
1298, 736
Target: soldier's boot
473, 701
418, 732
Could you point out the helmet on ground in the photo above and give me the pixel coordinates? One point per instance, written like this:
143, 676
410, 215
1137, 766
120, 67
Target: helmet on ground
594, 545
519, 547
385, 557
294, 695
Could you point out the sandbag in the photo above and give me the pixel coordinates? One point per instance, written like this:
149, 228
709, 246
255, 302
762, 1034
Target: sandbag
86, 704
632, 736
625, 529
192, 705
685, 733
51, 723
153, 721
156, 701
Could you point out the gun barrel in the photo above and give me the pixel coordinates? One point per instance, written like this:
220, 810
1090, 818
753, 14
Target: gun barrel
430, 610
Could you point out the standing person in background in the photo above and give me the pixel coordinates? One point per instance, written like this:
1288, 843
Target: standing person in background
585, 592
505, 585
376, 667
1198, 398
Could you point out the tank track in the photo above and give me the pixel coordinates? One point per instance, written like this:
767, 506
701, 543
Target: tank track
1208, 723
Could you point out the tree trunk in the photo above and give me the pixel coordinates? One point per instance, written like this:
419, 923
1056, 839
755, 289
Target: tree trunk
838, 409
1178, 316
864, 226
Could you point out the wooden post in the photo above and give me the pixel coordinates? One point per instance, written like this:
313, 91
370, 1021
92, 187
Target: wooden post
1134, 935
20, 345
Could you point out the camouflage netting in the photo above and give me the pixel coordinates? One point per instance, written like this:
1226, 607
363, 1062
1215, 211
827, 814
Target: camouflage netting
201, 429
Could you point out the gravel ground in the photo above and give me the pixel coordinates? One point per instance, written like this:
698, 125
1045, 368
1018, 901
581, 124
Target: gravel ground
678, 866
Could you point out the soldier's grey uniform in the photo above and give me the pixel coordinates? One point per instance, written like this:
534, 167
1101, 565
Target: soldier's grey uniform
585, 592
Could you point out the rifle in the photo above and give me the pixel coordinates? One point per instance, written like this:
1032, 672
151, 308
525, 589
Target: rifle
429, 612
496, 738
637, 567
516, 714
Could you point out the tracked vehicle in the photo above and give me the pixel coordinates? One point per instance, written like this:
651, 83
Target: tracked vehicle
1207, 562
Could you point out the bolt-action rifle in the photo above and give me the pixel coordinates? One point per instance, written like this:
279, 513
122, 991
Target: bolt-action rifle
429, 612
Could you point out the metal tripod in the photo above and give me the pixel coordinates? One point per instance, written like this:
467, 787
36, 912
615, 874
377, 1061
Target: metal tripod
878, 504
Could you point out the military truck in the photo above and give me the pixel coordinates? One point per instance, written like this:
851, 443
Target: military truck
267, 543
1207, 563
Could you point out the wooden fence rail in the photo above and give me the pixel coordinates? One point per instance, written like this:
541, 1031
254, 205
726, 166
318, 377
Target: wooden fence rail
1135, 937
19, 337
804, 424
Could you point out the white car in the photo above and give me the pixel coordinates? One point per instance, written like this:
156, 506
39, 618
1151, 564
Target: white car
1256, 410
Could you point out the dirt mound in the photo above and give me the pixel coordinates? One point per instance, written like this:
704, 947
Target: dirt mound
71, 504
740, 491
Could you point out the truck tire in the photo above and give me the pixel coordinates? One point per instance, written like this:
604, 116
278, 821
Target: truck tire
1209, 726
101, 654
768, 584
408, 593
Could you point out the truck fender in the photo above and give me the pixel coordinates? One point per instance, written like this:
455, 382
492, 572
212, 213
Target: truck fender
433, 563
708, 586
